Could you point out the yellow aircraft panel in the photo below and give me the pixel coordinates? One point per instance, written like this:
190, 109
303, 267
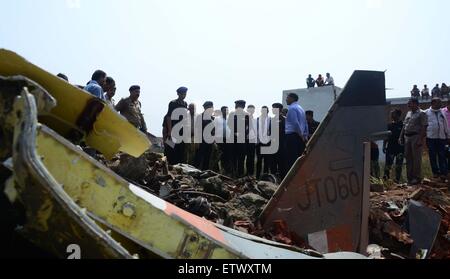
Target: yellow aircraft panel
111, 133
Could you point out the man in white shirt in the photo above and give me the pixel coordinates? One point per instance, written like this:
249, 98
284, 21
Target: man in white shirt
263, 127
437, 137
425, 93
110, 91
330, 80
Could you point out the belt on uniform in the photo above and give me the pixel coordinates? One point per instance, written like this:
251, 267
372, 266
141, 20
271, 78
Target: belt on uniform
411, 134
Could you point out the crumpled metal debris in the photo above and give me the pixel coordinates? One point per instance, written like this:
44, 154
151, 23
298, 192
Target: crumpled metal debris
199, 206
389, 226
221, 199
237, 203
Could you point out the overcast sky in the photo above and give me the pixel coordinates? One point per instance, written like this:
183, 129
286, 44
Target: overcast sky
224, 50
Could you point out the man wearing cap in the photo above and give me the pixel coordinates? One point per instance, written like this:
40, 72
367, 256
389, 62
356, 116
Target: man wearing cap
130, 108
296, 130
205, 125
413, 138
239, 124
176, 146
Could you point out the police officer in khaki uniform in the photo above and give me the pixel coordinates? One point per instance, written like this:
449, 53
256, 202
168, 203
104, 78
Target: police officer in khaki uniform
130, 108
413, 137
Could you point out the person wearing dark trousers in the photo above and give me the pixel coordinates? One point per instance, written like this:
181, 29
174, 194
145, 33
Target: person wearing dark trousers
437, 137
167, 124
392, 148
374, 160
262, 128
176, 154
277, 160
446, 112
447, 153
190, 148
296, 130
203, 155
310, 82
239, 123
312, 124
222, 133
251, 142
436, 92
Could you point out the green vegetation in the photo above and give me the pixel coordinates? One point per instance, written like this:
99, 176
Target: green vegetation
426, 172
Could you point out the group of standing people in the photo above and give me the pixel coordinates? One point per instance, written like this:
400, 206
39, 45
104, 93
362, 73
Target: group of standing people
320, 81
239, 136
104, 88
240, 147
241, 150
442, 92
420, 129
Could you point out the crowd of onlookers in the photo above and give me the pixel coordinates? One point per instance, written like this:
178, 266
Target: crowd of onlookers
240, 151
442, 92
104, 88
410, 135
236, 158
319, 81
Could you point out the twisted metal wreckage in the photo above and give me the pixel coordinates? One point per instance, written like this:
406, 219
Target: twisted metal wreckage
62, 196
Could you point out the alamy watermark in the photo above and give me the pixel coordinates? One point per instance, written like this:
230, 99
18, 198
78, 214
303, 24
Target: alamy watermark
238, 127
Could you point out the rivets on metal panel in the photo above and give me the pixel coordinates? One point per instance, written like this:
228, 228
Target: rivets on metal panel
129, 210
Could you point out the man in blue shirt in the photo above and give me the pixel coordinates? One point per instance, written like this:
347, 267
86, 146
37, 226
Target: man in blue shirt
296, 130
95, 86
